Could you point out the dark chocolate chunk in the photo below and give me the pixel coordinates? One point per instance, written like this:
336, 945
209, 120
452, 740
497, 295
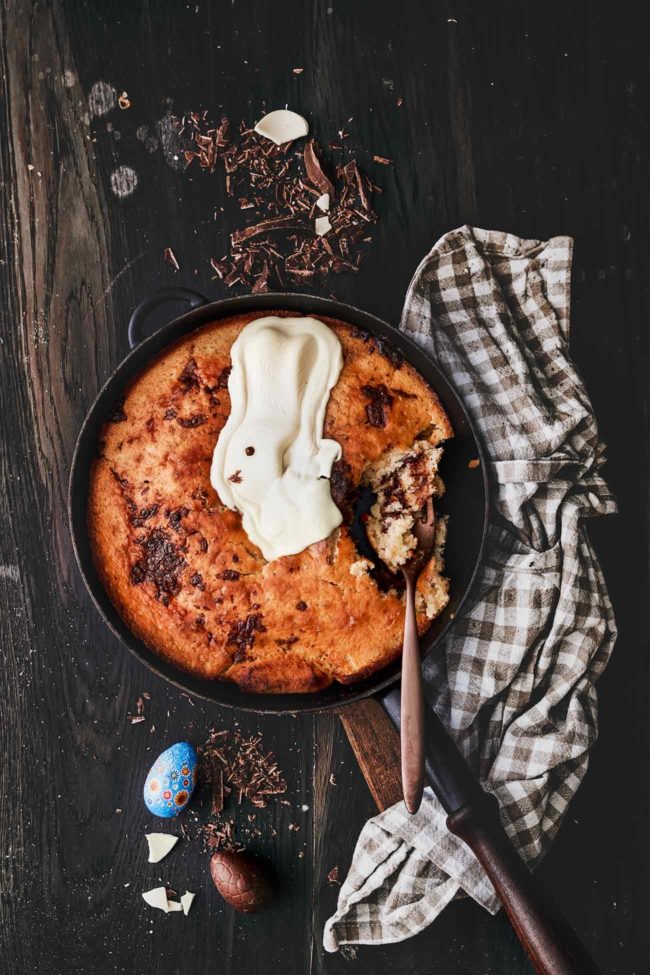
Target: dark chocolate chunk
380, 401
242, 633
197, 581
188, 378
341, 484
230, 575
161, 564
192, 421
222, 378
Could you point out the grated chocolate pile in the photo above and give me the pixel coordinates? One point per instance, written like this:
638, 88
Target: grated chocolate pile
278, 188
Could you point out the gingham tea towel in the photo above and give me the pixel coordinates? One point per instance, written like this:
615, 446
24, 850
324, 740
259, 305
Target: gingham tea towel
514, 680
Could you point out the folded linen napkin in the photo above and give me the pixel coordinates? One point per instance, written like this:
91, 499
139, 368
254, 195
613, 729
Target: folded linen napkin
514, 679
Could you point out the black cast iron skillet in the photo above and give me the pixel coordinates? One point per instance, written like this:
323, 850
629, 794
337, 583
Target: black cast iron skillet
466, 500
472, 814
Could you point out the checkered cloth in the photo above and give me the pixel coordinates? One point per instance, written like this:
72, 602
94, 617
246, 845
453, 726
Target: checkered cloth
514, 679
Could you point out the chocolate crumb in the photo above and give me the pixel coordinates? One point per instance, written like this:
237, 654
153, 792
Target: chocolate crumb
333, 876
249, 451
230, 575
236, 478
301, 606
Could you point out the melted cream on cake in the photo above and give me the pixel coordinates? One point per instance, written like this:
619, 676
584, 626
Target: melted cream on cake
271, 462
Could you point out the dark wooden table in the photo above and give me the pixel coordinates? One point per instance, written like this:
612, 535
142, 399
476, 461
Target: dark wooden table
525, 117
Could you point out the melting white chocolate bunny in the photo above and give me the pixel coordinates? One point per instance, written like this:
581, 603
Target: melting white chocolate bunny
271, 462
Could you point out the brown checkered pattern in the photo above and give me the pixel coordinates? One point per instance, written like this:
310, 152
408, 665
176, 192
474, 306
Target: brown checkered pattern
514, 680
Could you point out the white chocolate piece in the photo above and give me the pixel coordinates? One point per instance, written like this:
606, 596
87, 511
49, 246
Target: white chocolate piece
282, 126
160, 844
271, 461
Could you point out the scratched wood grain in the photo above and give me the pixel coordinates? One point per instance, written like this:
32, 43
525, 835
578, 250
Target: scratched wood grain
513, 117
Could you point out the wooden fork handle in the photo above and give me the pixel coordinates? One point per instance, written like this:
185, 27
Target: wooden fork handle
412, 707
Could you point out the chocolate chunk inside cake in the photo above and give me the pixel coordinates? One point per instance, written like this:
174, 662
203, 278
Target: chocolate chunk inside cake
184, 574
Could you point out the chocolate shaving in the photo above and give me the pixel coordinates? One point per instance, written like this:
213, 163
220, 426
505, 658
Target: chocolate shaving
315, 172
383, 161
170, 257
197, 582
217, 791
222, 378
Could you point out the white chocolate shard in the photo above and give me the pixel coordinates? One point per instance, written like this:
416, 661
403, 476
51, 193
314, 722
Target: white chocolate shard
157, 898
282, 126
323, 226
323, 202
186, 901
160, 844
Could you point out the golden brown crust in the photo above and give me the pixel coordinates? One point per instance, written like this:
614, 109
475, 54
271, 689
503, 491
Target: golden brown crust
179, 567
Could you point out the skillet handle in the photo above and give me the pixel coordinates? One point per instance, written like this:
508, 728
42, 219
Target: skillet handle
552, 946
144, 309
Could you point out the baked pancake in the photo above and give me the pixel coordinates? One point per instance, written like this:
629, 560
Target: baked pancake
177, 563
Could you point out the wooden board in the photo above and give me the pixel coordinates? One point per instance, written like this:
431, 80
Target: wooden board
515, 116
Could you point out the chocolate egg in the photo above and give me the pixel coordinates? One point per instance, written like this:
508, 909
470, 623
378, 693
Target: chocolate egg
241, 880
171, 780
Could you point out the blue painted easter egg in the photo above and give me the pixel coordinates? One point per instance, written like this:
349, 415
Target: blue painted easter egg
171, 780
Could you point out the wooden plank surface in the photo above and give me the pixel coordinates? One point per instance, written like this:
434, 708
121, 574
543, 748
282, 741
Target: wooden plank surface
528, 118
